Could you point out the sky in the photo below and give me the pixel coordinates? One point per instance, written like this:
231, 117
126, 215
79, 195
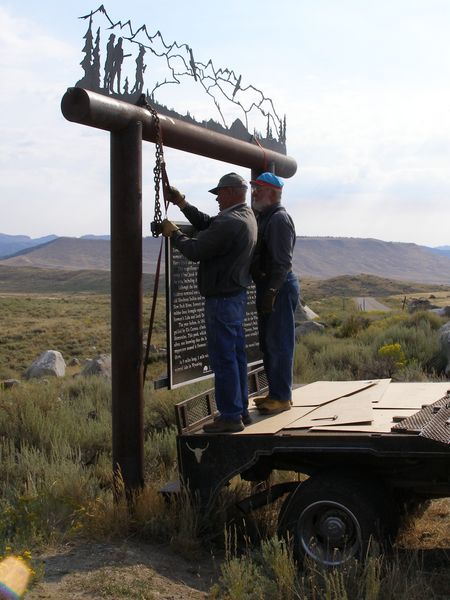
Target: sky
364, 85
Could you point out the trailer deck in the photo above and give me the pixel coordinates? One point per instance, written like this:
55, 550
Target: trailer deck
369, 406
398, 430
367, 449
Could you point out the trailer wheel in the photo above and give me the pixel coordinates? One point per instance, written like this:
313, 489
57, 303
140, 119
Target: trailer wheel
333, 519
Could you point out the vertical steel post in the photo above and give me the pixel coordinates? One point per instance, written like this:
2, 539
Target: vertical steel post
126, 307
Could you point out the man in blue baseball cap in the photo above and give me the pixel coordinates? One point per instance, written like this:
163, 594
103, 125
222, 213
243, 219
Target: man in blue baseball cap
277, 291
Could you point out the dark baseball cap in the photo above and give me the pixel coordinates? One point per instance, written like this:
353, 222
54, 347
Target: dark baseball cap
231, 180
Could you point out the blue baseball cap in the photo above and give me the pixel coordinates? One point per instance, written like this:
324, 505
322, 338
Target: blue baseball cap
269, 180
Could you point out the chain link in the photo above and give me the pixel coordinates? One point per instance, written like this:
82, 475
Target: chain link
157, 169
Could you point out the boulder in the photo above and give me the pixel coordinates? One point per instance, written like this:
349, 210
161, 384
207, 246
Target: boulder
50, 363
444, 337
442, 312
308, 327
304, 313
300, 313
98, 366
419, 304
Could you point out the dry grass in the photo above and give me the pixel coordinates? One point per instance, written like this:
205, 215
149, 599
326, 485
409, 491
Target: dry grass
56, 482
429, 530
78, 325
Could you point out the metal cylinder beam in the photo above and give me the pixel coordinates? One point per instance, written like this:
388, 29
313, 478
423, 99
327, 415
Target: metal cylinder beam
103, 112
126, 307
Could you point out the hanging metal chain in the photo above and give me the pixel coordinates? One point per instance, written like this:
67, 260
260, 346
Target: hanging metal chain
159, 177
158, 169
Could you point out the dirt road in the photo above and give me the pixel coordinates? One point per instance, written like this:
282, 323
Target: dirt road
123, 571
367, 304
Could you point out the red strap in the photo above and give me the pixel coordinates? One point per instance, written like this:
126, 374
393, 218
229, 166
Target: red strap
264, 153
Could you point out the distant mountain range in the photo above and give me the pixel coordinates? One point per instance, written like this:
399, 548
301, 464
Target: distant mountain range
10, 244
445, 250
315, 257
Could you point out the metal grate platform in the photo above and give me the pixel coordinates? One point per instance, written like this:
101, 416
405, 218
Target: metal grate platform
432, 422
193, 413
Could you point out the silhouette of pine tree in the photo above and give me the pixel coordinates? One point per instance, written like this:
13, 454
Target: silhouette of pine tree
95, 72
86, 62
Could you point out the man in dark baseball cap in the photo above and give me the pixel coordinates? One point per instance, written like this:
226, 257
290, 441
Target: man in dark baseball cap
230, 180
223, 247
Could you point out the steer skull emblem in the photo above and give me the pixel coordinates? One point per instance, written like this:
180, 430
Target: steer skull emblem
198, 452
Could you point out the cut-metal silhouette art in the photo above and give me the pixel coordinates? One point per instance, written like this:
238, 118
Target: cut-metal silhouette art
136, 62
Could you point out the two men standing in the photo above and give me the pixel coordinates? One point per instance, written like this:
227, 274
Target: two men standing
227, 247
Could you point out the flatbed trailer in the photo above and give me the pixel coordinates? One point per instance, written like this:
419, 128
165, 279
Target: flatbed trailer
368, 449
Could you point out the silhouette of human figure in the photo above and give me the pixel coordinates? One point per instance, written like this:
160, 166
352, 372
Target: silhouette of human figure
140, 70
117, 64
109, 62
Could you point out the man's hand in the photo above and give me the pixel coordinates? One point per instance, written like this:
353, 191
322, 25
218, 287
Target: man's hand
268, 301
176, 197
167, 228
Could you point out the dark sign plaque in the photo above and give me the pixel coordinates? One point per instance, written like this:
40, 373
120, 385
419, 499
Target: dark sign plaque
186, 332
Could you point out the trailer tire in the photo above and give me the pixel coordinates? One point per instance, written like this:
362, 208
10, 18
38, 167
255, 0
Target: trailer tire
331, 519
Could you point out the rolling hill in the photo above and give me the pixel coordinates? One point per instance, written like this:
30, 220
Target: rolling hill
314, 257
78, 254
25, 280
10, 244
323, 258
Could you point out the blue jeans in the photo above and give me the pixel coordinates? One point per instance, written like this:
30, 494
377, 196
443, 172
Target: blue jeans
226, 348
277, 338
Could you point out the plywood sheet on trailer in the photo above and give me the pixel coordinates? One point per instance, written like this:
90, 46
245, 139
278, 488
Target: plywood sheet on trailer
412, 395
271, 424
347, 410
322, 392
383, 421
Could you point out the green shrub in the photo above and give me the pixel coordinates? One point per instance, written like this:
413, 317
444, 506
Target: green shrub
352, 325
426, 319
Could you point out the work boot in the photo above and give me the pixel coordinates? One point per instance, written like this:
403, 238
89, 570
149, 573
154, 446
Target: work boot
246, 419
273, 407
223, 425
258, 400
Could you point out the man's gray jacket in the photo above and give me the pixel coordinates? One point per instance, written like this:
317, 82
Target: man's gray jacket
224, 247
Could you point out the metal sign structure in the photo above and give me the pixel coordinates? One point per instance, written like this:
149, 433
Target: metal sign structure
133, 62
187, 351
129, 125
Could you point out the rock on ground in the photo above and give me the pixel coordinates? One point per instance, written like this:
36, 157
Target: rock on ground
98, 366
50, 363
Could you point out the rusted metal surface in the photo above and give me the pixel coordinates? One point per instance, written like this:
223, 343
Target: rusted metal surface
126, 305
103, 112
